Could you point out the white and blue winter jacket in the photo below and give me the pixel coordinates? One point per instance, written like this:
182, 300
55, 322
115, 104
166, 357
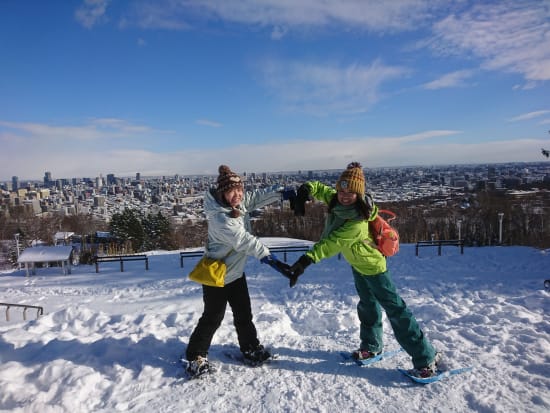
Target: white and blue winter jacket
229, 238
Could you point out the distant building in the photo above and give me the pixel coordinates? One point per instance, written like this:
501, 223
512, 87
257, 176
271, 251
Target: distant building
99, 201
48, 179
14, 183
32, 206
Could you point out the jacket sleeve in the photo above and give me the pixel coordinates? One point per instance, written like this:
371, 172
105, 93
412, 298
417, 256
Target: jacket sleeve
320, 191
260, 198
333, 244
231, 232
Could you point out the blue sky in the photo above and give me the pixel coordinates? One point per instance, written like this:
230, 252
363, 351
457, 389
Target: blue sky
170, 87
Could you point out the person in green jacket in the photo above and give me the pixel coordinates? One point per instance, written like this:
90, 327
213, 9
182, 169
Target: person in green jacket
347, 232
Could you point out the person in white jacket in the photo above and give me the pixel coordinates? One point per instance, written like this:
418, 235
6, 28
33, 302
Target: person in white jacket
227, 209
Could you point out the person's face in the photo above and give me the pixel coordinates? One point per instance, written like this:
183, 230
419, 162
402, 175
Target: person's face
345, 197
234, 196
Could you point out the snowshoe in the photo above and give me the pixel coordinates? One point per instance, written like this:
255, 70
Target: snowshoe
428, 371
198, 367
360, 354
256, 356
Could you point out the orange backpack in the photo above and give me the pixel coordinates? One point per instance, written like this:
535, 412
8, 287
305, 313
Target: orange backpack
385, 236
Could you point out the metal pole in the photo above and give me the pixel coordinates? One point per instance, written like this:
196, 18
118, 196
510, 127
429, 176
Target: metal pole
500, 216
17, 247
459, 224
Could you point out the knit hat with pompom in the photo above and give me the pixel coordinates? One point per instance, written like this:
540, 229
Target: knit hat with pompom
352, 179
228, 179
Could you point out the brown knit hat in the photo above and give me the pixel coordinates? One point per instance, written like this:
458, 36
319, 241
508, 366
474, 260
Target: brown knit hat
352, 179
228, 179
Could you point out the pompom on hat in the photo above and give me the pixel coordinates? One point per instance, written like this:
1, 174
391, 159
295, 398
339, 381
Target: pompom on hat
352, 179
228, 179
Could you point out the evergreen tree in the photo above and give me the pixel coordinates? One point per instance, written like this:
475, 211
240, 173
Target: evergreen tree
157, 232
128, 227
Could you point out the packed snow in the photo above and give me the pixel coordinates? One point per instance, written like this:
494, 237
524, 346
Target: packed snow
111, 341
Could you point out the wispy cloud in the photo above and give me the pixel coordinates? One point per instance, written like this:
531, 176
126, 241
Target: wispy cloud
321, 89
454, 79
211, 123
95, 129
530, 115
509, 36
278, 32
162, 14
422, 136
373, 15
506, 35
92, 12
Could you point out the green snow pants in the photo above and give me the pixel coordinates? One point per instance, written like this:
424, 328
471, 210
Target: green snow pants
376, 292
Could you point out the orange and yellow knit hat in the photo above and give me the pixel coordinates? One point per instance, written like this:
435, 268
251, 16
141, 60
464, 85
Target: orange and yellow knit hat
352, 179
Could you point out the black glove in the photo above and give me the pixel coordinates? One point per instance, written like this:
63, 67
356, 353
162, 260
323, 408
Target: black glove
289, 195
284, 269
299, 267
279, 266
299, 203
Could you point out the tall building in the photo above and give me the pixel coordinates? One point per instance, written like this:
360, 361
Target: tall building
14, 183
138, 176
48, 179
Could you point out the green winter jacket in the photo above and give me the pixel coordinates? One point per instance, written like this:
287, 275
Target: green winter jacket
346, 232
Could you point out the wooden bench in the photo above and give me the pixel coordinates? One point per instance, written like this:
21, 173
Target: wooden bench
284, 250
190, 254
441, 243
121, 259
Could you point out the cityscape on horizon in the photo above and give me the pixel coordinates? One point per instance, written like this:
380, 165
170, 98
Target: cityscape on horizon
180, 197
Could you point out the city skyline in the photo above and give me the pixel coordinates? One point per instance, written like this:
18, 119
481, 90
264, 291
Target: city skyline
180, 87
51, 179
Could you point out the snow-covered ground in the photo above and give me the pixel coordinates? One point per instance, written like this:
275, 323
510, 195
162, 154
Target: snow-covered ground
110, 341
